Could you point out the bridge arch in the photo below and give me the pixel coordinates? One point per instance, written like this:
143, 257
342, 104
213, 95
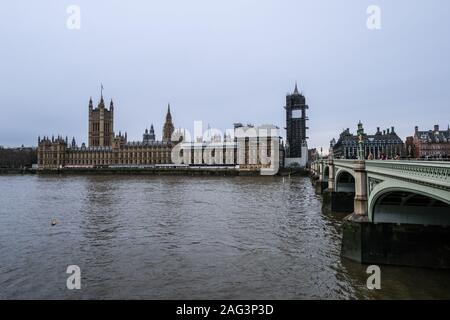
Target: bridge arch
408, 205
344, 181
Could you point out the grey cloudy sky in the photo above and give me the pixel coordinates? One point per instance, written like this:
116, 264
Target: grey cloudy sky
222, 62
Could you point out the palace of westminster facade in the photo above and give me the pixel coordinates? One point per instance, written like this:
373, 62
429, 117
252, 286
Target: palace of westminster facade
105, 149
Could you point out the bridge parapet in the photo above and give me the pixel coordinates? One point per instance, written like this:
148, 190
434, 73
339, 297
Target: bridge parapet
435, 174
375, 177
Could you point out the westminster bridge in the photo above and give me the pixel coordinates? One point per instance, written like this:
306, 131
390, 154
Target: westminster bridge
399, 211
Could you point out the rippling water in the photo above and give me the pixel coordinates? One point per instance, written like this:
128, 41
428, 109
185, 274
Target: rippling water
183, 238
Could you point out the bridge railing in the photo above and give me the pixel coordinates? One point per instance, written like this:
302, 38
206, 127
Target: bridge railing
432, 172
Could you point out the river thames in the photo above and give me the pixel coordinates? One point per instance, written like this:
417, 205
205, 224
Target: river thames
166, 237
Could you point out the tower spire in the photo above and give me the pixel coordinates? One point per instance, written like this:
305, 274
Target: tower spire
101, 104
296, 88
168, 115
168, 126
152, 133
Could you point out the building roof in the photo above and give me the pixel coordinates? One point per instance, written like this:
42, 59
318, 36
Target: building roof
347, 138
433, 136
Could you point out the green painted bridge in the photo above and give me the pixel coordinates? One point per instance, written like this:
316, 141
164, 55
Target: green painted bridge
399, 211
413, 192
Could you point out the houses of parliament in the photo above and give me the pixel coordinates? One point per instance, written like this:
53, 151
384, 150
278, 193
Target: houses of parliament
104, 147
245, 153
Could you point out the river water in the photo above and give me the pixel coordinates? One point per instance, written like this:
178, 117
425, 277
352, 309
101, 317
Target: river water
163, 237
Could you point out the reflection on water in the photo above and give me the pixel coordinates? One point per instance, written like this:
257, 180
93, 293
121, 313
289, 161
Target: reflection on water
183, 237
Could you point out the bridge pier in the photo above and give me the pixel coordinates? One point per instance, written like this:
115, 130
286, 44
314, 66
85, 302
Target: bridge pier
319, 182
337, 202
312, 169
360, 188
334, 201
316, 172
394, 244
356, 226
315, 176
320, 186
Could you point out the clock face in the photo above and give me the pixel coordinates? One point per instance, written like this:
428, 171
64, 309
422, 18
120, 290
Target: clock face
296, 114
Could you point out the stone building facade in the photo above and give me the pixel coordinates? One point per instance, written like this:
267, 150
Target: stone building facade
429, 144
104, 148
250, 148
384, 144
101, 124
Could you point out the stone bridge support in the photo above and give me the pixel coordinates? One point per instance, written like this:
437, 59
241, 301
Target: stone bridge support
315, 174
331, 175
356, 224
360, 206
319, 183
335, 201
312, 170
316, 171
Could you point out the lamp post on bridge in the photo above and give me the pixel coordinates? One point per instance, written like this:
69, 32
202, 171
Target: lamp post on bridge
360, 176
361, 155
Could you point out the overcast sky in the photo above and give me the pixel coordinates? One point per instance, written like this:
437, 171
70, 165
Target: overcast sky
222, 61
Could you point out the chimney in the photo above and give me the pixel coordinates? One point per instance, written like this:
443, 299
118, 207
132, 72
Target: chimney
384, 131
378, 130
436, 128
392, 129
416, 129
387, 131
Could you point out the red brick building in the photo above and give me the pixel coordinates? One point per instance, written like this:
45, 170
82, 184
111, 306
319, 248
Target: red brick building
429, 144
